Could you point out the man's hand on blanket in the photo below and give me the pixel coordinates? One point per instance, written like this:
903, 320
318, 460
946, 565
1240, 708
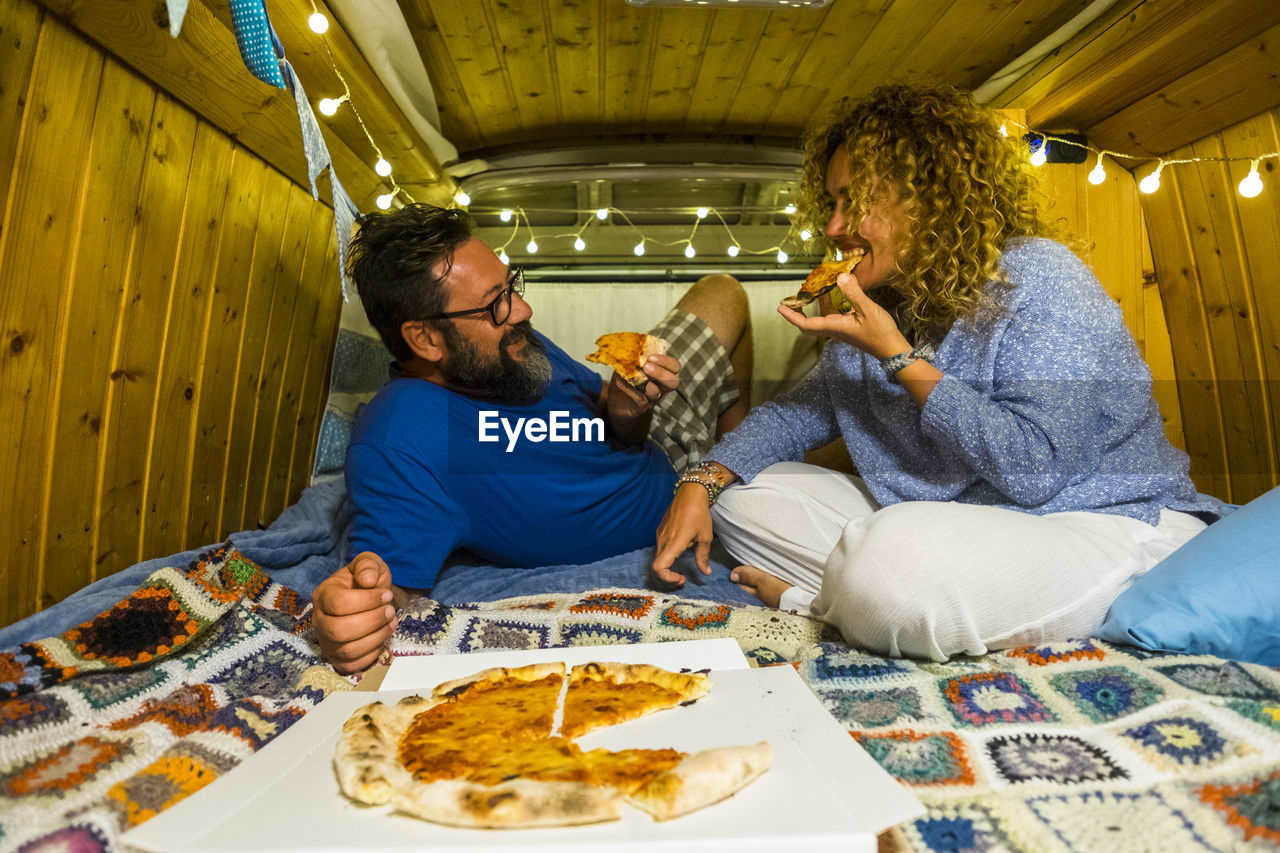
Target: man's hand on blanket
354, 613
687, 522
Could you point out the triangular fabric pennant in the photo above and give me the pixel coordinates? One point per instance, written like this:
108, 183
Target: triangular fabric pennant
255, 38
312, 141
345, 215
177, 12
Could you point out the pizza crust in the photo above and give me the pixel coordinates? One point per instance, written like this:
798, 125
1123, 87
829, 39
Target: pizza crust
519, 803
703, 778
626, 352
366, 758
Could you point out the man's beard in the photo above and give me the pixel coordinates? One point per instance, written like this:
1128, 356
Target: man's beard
500, 377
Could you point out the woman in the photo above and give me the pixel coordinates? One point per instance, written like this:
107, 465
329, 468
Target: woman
1014, 476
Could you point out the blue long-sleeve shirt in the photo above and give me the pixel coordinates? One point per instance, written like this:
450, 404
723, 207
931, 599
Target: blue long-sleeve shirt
1048, 408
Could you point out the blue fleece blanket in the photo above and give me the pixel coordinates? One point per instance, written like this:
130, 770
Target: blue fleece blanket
307, 542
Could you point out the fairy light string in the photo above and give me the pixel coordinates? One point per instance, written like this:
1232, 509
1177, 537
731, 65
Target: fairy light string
319, 24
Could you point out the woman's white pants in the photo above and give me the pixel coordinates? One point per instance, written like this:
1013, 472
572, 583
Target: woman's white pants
931, 580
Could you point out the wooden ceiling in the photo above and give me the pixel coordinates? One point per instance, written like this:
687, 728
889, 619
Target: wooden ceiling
516, 78
521, 74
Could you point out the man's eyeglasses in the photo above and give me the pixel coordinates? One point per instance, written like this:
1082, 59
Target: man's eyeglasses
500, 308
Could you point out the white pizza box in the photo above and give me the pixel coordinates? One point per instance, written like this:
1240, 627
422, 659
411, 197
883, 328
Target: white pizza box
822, 793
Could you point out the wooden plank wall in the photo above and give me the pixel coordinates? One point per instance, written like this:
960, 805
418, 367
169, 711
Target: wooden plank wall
168, 306
1217, 260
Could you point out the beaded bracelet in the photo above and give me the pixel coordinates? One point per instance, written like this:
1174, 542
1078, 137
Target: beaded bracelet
696, 474
894, 363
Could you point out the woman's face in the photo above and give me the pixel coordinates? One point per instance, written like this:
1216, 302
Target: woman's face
880, 232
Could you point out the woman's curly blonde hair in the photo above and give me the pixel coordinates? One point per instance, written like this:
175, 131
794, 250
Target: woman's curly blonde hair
967, 190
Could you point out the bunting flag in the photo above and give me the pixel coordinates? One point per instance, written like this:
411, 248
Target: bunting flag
345, 216
313, 146
177, 12
259, 47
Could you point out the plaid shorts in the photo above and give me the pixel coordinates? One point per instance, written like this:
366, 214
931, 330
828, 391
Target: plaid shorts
684, 421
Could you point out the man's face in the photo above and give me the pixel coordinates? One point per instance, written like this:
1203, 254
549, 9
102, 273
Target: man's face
506, 362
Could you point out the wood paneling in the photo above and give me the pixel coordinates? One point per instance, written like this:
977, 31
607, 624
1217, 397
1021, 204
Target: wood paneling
154, 275
1216, 254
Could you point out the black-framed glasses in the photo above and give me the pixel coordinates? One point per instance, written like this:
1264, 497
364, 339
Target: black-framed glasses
500, 308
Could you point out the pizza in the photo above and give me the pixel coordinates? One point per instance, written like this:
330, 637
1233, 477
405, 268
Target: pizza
626, 352
497, 749
823, 280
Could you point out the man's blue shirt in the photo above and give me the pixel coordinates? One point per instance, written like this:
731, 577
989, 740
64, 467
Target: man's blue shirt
423, 484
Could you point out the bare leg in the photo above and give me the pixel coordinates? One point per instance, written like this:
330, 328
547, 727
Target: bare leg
721, 303
761, 584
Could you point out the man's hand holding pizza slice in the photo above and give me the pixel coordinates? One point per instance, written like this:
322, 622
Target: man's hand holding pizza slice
642, 374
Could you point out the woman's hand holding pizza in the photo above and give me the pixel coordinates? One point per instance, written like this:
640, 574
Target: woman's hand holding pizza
865, 325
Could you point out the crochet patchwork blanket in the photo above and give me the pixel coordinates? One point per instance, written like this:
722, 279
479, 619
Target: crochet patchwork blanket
1070, 746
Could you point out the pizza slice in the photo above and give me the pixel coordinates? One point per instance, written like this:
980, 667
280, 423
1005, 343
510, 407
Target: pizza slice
605, 694
823, 280
626, 352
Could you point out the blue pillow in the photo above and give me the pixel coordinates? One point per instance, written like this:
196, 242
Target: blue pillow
1219, 594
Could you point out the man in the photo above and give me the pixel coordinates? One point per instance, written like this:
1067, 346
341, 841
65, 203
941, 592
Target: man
489, 438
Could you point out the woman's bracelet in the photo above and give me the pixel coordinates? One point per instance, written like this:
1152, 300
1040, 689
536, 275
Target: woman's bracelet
705, 475
894, 363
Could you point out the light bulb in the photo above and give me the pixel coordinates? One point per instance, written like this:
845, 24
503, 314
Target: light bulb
462, 198
1151, 182
1099, 174
639, 249
782, 257
329, 106
382, 167
384, 201
702, 212
805, 234
505, 216
733, 251
502, 256
789, 209
839, 255
1004, 130
602, 213
1039, 156
579, 244
318, 22
531, 247
689, 252
1252, 184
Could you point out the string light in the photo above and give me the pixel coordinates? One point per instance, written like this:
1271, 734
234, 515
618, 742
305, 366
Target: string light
1040, 155
602, 213
1098, 174
733, 250
1252, 183
329, 106
461, 198
502, 256
319, 23
1250, 187
1151, 182
789, 209
805, 234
